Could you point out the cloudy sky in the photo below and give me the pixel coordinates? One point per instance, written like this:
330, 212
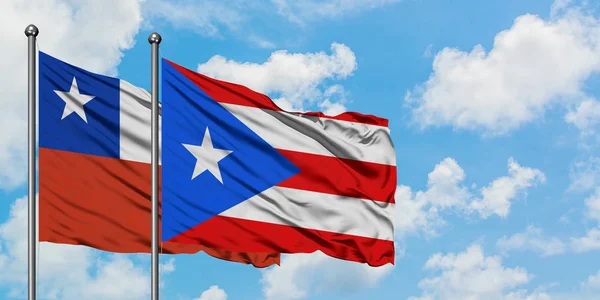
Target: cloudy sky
493, 109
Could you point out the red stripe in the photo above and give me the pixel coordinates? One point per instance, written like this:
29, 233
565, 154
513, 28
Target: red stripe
344, 177
226, 92
105, 203
265, 237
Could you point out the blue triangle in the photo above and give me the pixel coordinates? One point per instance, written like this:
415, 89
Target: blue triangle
252, 167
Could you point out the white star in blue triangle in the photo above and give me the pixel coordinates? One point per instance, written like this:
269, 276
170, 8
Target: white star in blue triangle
207, 157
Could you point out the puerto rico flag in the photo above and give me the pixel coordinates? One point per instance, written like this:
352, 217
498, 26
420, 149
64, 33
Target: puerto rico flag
241, 174
94, 165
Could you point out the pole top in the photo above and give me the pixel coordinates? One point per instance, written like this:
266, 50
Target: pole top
31, 30
154, 38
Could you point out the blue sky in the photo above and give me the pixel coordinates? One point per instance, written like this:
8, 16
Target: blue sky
493, 112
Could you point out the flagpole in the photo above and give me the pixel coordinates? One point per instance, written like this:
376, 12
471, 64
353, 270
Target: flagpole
154, 39
31, 32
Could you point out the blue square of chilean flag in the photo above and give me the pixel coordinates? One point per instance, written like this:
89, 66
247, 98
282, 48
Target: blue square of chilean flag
78, 110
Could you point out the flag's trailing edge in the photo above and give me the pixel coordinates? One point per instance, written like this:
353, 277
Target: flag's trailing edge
94, 165
242, 174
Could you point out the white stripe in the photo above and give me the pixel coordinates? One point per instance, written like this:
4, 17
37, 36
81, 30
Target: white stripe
135, 132
322, 136
312, 210
282, 130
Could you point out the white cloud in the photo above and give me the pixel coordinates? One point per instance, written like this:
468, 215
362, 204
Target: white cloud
587, 243
296, 78
420, 211
533, 240
427, 53
593, 282
262, 42
535, 65
303, 274
415, 214
589, 290
66, 271
443, 184
204, 17
118, 278
468, 274
213, 293
498, 195
524, 295
335, 98
89, 33
591, 241
586, 116
559, 6
332, 108
308, 10
215, 18
592, 203
585, 175
167, 267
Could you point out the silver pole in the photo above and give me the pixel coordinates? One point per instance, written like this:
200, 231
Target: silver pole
154, 39
31, 32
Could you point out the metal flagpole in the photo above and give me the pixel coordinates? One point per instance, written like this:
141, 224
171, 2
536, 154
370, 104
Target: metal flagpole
31, 32
154, 39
